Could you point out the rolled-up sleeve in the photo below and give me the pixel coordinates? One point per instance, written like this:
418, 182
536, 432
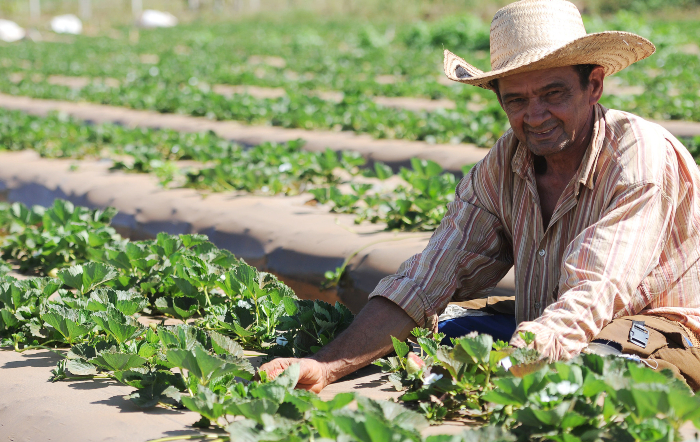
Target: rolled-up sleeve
603, 269
468, 254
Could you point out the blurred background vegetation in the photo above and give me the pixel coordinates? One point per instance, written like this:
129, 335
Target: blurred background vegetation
113, 12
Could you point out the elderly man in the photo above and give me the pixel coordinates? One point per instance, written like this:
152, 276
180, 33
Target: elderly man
597, 209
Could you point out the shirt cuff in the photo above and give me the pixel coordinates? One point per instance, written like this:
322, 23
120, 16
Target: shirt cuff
405, 294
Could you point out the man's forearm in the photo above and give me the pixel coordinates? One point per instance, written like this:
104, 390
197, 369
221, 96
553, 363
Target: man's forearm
366, 339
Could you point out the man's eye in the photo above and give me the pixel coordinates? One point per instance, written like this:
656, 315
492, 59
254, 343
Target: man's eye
553, 93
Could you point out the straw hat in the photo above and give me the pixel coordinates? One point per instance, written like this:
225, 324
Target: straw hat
529, 35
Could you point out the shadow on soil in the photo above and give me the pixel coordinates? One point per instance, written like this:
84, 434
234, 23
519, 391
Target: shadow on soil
126, 406
92, 384
42, 359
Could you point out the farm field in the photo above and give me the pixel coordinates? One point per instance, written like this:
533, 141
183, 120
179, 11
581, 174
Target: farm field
181, 205
326, 75
98, 293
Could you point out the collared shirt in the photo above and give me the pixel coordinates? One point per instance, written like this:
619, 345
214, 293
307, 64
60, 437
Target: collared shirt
624, 239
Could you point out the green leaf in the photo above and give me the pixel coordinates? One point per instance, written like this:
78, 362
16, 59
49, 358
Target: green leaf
401, 348
224, 344
168, 243
181, 307
206, 403
72, 324
185, 287
551, 417
290, 305
377, 430
192, 240
78, 367
289, 377
115, 323
7, 319
206, 367
241, 281
572, 420
128, 303
118, 361
87, 276
428, 345
382, 171
478, 347
252, 409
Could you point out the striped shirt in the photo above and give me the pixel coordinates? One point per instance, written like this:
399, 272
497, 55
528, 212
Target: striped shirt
624, 239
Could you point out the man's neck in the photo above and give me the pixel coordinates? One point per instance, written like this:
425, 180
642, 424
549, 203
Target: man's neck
554, 172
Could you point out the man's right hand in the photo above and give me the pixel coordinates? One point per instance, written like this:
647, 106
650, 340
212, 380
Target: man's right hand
366, 339
313, 375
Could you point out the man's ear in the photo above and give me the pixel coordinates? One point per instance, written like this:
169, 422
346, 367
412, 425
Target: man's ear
595, 84
496, 90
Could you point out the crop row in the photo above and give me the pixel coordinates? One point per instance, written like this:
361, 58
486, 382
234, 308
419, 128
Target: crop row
418, 202
102, 290
174, 71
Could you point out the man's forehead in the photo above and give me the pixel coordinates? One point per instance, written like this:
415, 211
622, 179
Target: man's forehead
538, 79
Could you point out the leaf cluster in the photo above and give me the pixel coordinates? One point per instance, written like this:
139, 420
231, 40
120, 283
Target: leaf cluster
43, 239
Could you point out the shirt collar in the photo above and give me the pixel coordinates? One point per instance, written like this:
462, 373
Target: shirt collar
590, 159
522, 160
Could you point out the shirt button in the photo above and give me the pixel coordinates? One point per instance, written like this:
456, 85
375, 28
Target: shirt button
537, 306
541, 252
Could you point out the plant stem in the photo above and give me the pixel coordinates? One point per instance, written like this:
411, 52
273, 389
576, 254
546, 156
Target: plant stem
340, 270
81, 378
212, 437
35, 347
206, 296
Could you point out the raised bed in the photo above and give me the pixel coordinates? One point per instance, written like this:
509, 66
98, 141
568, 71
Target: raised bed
297, 242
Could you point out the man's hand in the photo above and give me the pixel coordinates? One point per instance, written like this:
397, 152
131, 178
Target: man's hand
313, 375
366, 339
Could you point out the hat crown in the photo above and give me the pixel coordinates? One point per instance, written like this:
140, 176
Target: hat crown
530, 28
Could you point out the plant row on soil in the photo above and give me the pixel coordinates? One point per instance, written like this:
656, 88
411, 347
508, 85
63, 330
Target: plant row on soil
415, 199
96, 299
176, 71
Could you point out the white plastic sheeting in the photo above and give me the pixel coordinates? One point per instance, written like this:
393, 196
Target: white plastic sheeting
10, 31
67, 24
156, 19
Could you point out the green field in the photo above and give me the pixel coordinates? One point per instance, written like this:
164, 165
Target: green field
326, 66
178, 70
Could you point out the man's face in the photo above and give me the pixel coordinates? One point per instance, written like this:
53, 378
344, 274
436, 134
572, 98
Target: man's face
547, 109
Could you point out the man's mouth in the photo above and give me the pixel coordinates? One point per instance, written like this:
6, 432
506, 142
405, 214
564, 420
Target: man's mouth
543, 133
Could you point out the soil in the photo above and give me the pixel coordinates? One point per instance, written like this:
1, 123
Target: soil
282, 235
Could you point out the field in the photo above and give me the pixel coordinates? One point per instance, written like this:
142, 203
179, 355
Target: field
182, 204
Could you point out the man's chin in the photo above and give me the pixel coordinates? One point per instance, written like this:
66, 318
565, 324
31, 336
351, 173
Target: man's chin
547, 148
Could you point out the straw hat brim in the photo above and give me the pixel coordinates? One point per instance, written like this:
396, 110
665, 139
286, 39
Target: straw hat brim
613, 50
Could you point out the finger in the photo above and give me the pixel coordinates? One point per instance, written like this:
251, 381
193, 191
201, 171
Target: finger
275, 367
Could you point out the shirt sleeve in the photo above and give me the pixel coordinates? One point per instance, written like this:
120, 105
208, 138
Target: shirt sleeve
467, 255
602, 271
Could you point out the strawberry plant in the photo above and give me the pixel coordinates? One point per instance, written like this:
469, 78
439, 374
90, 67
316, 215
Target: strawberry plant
45, 240
93, 308
308, 326
179, 71
419, 204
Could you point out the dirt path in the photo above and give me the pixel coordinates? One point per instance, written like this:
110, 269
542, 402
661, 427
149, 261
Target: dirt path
281, 235
415, 104
32, 409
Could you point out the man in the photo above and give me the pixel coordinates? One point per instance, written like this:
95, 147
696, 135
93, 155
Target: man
597, 209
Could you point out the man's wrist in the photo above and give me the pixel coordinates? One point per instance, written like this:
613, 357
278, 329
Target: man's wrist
329, 369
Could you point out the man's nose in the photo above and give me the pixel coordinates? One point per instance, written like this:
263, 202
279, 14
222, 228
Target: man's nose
537, 113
